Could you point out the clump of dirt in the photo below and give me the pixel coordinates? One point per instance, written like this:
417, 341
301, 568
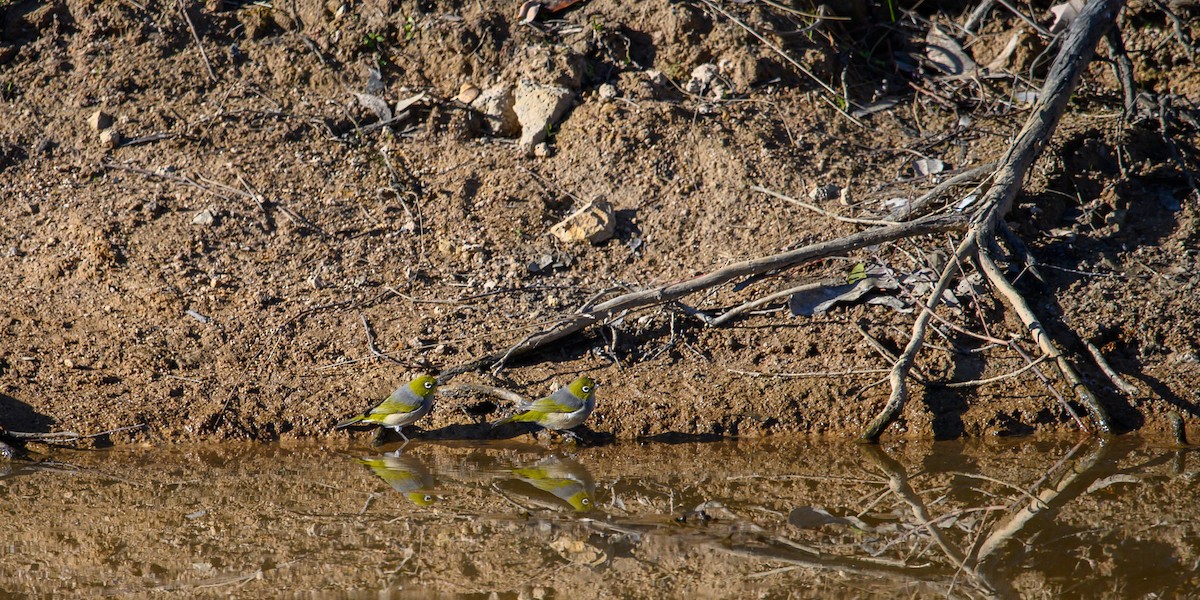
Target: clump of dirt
246, 251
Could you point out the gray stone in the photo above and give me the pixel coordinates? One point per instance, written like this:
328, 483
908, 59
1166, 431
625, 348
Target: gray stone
538, 108
496, 106
204, 218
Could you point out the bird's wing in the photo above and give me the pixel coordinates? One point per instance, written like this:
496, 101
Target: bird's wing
562, 401
396, 404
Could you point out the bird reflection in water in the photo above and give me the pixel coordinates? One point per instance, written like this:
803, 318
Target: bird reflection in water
406, 474
564, 478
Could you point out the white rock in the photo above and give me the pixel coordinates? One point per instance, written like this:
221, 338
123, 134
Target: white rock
204, 218
593, 223
496, 106
538, 108
702, 79
110, 138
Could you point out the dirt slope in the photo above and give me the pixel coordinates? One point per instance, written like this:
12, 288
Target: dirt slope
210, 272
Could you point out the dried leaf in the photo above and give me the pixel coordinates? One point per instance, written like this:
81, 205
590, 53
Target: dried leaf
857, 274
945, 53
376, 105
1064, 14
814, 302
965, 202
928, 166
404, 104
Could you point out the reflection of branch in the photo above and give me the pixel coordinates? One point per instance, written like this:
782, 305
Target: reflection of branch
898, 483
779, 550
1053, 494
67, 436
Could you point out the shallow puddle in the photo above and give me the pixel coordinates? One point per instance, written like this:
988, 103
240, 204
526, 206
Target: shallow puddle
1013, 518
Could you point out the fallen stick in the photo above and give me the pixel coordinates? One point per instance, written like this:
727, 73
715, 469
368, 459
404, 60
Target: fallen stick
195, 37
1127, 388
784, 260
1073, 58
1043, 340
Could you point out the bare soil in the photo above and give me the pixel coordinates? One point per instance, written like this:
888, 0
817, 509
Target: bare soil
224, 269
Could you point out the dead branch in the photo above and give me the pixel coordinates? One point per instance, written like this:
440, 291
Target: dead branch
818, 209
753, 304
1043, 340
899, 375
918, 207
1123, 67
466, 390
68, 436
1073, 57
784, 260
1127, 388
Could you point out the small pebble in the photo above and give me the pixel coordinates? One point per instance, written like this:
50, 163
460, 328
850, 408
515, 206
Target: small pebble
110, 138
100, 120
204, 218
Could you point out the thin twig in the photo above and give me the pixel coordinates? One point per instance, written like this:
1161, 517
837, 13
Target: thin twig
466, 390
1127, 388
753, 304
807, 374
192, 28
1009, 375
899, 374
977, 16
917, 207
1028, 21
1050, 387
1043, 340
69, 436
371, 341
819, 210
1123, 68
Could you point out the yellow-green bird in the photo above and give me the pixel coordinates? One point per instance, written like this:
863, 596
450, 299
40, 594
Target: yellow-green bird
565, 409
405, 474
563, 477
404, 407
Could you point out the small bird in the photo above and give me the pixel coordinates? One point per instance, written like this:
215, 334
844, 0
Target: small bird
565, 478
404, 407
560, 411
405, 474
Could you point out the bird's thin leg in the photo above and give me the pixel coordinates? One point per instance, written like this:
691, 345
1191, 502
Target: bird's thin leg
573, 435
400, 430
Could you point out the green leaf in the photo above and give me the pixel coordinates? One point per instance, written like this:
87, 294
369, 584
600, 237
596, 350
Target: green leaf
857, 274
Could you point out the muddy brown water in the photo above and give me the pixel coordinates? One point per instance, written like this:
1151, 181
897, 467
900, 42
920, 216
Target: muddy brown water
1000, 518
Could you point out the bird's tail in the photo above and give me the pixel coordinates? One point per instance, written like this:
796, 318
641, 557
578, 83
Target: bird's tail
518, 417
349, 422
